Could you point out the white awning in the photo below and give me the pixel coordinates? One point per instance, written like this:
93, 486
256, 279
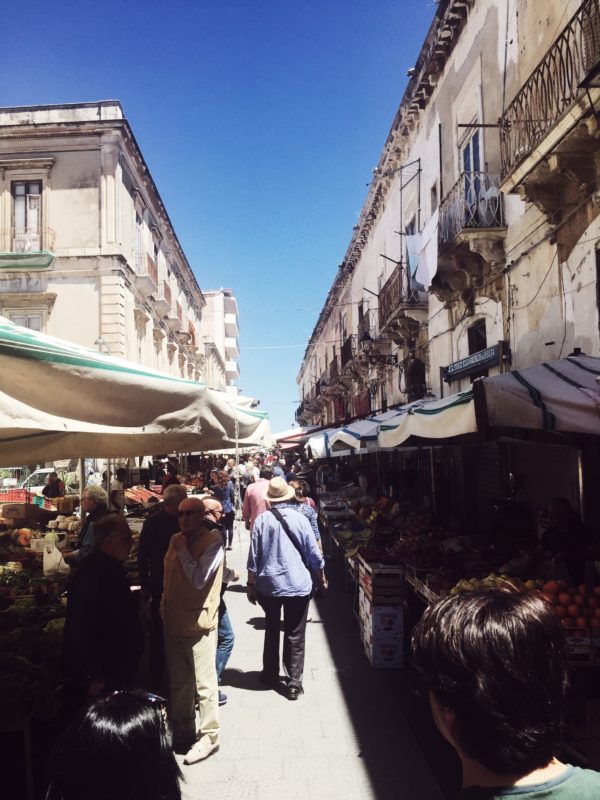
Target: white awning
60, 400
439, 419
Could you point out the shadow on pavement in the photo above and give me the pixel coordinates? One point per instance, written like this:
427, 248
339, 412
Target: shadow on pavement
237, 587
238, 679
387, 715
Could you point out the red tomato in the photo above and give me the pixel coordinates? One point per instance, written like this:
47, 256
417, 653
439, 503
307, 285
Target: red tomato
579, 599
561, 611
573, 610
581, 622
564, 598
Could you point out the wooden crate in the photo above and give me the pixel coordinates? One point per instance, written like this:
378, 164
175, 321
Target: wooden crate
382, 583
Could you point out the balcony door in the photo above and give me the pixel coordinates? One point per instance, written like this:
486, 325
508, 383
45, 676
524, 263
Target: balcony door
471, 167
27, 197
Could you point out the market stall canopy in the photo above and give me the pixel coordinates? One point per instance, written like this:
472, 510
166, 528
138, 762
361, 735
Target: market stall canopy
318, 445
294, 437
362, 434
439, 419
553, 396
60, 400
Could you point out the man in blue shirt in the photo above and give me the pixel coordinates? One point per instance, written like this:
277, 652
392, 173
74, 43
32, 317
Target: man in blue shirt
280, 563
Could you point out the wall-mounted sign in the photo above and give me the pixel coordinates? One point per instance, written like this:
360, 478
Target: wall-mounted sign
490, 357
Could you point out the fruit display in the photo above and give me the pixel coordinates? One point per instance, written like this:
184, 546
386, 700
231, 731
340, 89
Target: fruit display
574, 605
490, 581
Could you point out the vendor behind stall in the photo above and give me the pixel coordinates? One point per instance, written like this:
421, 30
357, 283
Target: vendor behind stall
567, 540
54, 487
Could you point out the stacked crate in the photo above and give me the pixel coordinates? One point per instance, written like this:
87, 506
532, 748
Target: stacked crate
381, 612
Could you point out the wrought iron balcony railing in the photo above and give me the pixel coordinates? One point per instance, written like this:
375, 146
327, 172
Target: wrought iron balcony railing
552, 88
395, 294
27, 240
368, 327
348, 350
475, 201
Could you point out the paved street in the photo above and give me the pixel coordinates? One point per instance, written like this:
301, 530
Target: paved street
345, 738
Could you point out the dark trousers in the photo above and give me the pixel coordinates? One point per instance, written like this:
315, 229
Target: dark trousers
228, 526
295, 612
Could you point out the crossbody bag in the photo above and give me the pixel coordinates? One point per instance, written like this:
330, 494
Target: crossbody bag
280, 518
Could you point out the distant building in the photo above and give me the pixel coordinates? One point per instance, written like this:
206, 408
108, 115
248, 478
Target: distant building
87, 250
219, 331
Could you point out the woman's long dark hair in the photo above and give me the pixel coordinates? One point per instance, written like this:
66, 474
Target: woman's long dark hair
120, 749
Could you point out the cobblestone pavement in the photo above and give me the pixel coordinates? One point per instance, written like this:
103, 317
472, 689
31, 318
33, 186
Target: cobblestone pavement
345, 738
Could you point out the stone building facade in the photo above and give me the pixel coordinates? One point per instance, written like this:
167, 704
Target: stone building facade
87, 250
476, 248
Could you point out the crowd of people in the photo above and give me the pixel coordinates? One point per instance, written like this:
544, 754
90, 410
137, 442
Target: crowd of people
183, 576
493, 662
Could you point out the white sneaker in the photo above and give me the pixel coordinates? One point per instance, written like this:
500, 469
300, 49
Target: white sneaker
200, 750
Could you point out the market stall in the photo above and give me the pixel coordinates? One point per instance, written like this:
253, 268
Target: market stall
59, 400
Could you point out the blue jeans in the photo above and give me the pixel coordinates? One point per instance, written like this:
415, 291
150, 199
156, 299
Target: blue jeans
225, 640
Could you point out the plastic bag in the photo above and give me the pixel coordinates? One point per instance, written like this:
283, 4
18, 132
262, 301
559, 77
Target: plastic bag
54, 562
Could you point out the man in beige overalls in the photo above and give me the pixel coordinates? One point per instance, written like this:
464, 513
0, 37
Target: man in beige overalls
189, 609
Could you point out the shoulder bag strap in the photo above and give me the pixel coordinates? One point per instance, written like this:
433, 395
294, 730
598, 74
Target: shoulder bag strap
280, 518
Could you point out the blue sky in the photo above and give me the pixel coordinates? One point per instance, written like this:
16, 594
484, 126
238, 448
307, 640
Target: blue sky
260, 121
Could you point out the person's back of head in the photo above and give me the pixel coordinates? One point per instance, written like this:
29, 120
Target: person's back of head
120, 749
495, 665
266, 473
173, 495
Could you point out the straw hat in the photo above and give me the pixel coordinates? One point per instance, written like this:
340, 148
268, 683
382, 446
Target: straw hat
278, 491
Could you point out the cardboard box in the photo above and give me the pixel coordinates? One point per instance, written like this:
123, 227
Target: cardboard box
14, 511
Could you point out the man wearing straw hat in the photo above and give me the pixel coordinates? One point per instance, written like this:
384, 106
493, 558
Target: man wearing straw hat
283, 558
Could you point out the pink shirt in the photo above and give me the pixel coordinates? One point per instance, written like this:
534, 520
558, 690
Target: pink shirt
254, 501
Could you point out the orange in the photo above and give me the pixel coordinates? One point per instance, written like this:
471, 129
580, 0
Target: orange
551, 586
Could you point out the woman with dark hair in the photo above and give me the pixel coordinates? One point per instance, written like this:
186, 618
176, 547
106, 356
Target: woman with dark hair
223, 490
495, 665
306, 508
119, 749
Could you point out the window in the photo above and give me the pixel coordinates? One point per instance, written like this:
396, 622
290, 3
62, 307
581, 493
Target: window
477, 339
27, 211
138, 243
476, 336
27, 319
433, 198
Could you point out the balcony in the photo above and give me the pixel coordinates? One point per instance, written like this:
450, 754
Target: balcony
349, 350
552, 114
26, 248
402, 308
470, 234
146, 277
162, 299
232, 349
231, 326
232, 370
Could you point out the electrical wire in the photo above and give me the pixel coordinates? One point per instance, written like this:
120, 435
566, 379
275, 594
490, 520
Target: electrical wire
521, 308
